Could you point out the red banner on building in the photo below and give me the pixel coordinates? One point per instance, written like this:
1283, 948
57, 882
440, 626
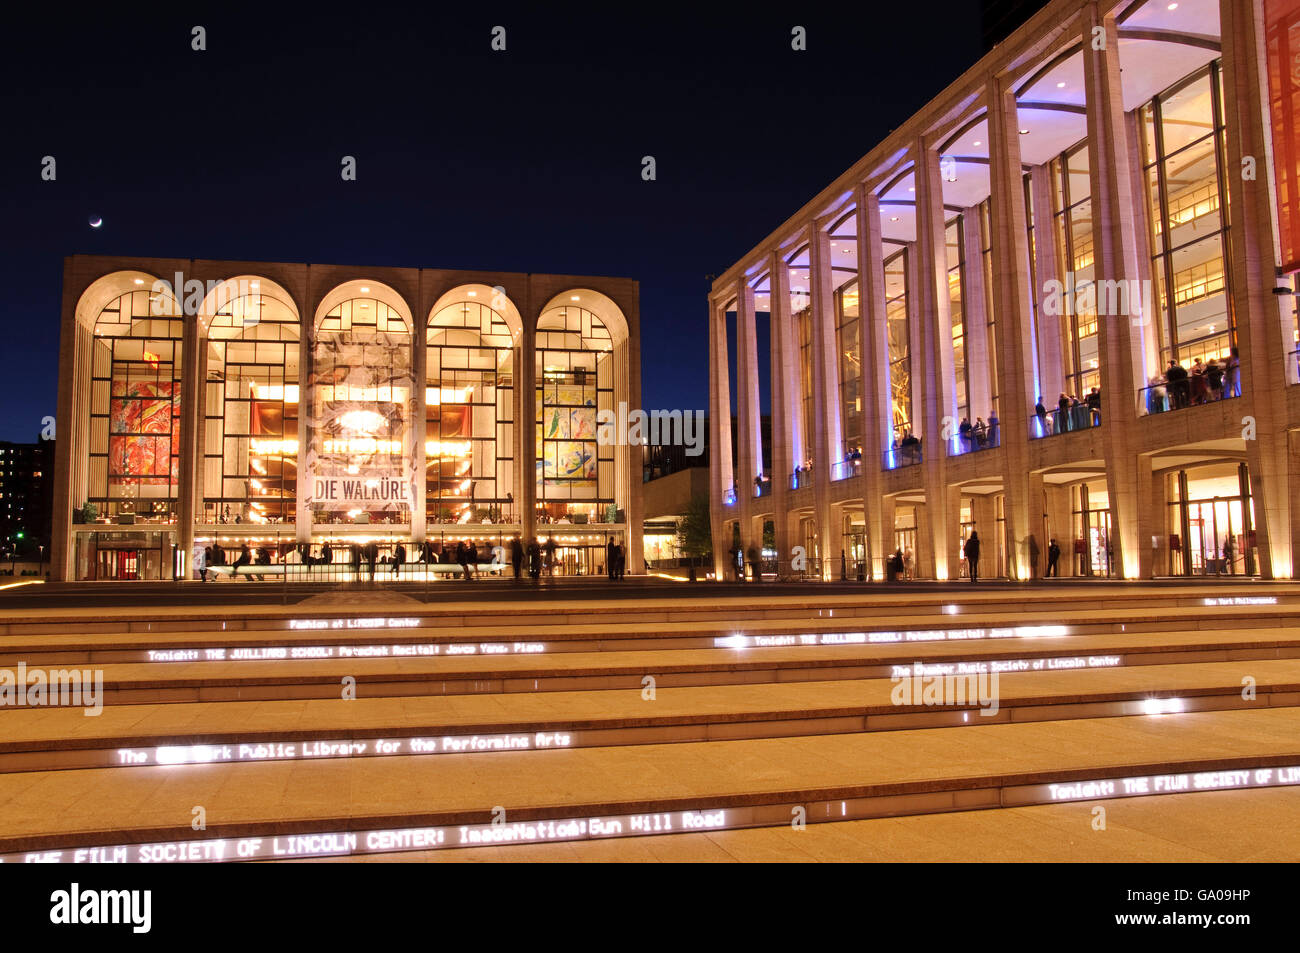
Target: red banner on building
1282, 23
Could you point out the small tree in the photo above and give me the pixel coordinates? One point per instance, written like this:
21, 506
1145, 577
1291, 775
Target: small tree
695, 531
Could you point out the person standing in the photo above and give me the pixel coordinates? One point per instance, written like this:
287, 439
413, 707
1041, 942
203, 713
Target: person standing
972, 551
620, 561
399, 559
1053, 556
895, 567
516, 557
551, 548
611, 554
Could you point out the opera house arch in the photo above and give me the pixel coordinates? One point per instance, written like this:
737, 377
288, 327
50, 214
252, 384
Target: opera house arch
250, 402
576, 381
470, 401
361, 454
126, 424
271, 420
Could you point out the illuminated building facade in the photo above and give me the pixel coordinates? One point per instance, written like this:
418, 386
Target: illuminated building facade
289, 406
973, 327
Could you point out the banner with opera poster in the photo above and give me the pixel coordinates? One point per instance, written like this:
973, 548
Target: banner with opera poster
359, 457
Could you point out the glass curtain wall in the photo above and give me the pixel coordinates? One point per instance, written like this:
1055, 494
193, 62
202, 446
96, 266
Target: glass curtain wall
1072, 198
1183, 159
250, 410
575, 380
469, 417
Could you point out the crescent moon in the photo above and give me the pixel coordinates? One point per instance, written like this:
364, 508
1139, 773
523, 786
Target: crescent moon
96, 222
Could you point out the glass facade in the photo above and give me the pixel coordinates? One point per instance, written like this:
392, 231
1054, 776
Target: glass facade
250, 412
1072, 199
575, 381
135, 408
898, 334
1182, 156
956, 263
469, 416
848, 341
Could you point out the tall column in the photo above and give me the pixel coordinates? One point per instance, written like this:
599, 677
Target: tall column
1050, 330
1011, 301
306, 410
416, 463
935, 364
1261, 338
720, 473
1114, 234
190, 422
877, 402
526, 425
785, 401
828, 445
748, 419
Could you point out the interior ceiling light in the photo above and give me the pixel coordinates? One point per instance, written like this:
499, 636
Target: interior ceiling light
1060, 85
365, 290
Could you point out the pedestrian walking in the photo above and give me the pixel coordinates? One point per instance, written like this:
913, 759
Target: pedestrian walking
534, 560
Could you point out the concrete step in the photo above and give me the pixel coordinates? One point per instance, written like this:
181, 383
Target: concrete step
1179, 828
351, 637
129, 736
719, 611
258, 679
279, 810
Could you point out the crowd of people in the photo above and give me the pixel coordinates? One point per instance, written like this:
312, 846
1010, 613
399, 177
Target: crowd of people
979, 435
908, 447
1071, 413
1203, 382
365, 559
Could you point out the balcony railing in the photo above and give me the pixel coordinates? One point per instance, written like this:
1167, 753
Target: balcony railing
903, 456
844, 469
762, 488
801, 478
1179, 395
1076, 417
975, 441
729, 497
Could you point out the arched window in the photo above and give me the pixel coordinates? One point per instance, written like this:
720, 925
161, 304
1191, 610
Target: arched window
361, 427
135, 414
250, 462
469, 415
575, 380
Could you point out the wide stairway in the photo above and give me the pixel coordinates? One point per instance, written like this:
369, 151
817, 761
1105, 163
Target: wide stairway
373, 726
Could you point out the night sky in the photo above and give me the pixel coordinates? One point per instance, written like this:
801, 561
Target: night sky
523, 160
